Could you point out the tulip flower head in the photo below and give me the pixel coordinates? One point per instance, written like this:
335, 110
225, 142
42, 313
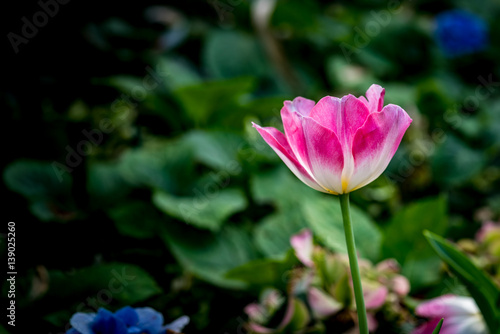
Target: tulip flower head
339, 144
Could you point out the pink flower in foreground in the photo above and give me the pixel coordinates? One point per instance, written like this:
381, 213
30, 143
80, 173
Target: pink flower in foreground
461, 316
339, 144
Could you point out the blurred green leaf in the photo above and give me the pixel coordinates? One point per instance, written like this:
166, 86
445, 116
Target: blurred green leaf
279, 186
403, 239
166, 165
105, 183
207, 210
244, 57
300, 16
36, 179
324, 216
300, 316
271, 272
345, 74
132, 86
47, 186
480, 286
438, 327
454, 162
216, 149
211, 255
202, 101
272, 234
175, 72
136, 219
3, 330
125, 283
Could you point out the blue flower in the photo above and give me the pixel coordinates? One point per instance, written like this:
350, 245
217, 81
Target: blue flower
126, 320
459, 32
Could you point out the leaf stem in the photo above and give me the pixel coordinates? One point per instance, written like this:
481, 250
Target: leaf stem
353, 262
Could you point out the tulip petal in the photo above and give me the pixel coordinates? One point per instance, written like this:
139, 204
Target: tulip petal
375, 95
328, 112
343, 116
302, 244
372, 322
325, 156
375, 143
454, 325
375, 299
464, 325
428, 327
322, 304
446, 306
279, 144
301, 105
292, 124
400, 285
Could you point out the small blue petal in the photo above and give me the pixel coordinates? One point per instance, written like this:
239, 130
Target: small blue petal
72, 331
459, 32
106, 323
150, 320
82, 322
128, 315
178, 324
134, 330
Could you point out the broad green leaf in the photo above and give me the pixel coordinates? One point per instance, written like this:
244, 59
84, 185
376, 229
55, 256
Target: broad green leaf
175, 72
481, 287
264, 272
122, 282
279, 186
300, 317
136, 219
211, 255
403, 239
454, 162
243, 58
202, 101
105, 183
207, 210
272, 234
324, 216
165, 165
301, 16
266, 108
37, 179
438, 327
46, 185
216, 149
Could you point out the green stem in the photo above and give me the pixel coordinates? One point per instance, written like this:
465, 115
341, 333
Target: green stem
353, 262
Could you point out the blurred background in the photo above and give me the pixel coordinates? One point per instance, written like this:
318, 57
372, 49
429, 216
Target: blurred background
129, 155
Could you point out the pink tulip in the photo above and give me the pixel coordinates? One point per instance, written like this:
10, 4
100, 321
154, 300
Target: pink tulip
461, 316
338, 145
